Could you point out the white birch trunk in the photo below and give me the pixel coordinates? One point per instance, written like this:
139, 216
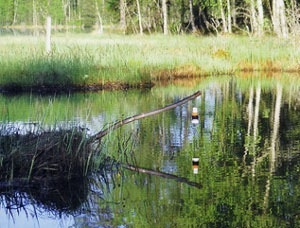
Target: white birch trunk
165, 16
260, 18
139, 16
223, 16
229, 23
192, 18
123, 15
254, 23
279, 18
100, 25
48, 35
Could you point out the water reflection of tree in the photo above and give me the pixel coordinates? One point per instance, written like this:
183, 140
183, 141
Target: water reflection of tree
240, 160
238, 167
274, 141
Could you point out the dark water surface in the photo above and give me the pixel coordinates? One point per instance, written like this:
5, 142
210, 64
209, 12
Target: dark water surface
247, 141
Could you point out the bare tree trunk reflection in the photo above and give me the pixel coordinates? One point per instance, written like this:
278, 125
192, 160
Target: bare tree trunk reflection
250, 117
274, 140
255, 126
256, 112
253, 117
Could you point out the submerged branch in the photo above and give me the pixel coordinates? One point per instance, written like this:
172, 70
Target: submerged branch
127, 120
163, 175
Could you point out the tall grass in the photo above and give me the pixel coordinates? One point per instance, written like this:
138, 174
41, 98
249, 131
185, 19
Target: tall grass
108, 59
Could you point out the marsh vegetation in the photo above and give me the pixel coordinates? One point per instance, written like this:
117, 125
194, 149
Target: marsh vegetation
91, 62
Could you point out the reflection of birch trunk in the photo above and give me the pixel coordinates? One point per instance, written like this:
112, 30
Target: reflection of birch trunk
255, 125
250, 117
274, 138
256, 112
250, 111
276, 123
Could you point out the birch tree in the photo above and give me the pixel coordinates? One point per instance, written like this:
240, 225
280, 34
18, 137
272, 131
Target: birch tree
99, 21
165, 17
139, 16
223, 18
279, 18
192, 18
123, 15
260, 17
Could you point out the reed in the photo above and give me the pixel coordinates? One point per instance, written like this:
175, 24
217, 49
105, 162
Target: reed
47, 155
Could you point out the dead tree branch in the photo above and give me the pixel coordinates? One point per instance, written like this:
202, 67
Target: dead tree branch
127, 120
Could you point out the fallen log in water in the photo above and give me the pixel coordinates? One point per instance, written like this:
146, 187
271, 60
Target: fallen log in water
127, 120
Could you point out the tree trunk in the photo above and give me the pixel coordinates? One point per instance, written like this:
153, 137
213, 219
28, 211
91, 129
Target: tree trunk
35, 18
139, 16
127, 120
165, 17
229, 24
279, 19
260, 30
48, 34
15, 12
123, 16
192, 18
254, 23
99, 23
224, 24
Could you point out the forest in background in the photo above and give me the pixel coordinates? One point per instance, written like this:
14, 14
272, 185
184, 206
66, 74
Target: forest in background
252, 17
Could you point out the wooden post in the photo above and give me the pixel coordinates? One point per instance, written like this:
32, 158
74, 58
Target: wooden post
48, 34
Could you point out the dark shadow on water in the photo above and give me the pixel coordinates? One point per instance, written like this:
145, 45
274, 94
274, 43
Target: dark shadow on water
59, 197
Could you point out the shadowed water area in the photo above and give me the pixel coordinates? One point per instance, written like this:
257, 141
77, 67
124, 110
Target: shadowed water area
247, 141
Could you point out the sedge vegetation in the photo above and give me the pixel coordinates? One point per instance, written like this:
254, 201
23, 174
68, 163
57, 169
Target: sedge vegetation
94, 62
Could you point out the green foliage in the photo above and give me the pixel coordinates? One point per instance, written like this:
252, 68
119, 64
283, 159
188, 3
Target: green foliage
88, 11
207, 15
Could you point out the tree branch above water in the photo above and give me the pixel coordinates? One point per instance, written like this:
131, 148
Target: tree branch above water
127, 120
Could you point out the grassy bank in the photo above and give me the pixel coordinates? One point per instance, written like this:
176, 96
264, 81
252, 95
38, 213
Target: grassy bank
93, 62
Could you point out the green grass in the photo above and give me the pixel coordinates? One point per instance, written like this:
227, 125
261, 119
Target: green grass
88, 59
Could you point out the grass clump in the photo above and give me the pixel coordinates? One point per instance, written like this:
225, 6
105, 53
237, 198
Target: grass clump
57, 154
45, 70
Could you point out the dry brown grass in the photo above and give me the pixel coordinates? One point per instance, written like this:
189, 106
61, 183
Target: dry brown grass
183, 71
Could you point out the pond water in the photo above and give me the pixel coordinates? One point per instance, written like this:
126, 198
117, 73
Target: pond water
247, 141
